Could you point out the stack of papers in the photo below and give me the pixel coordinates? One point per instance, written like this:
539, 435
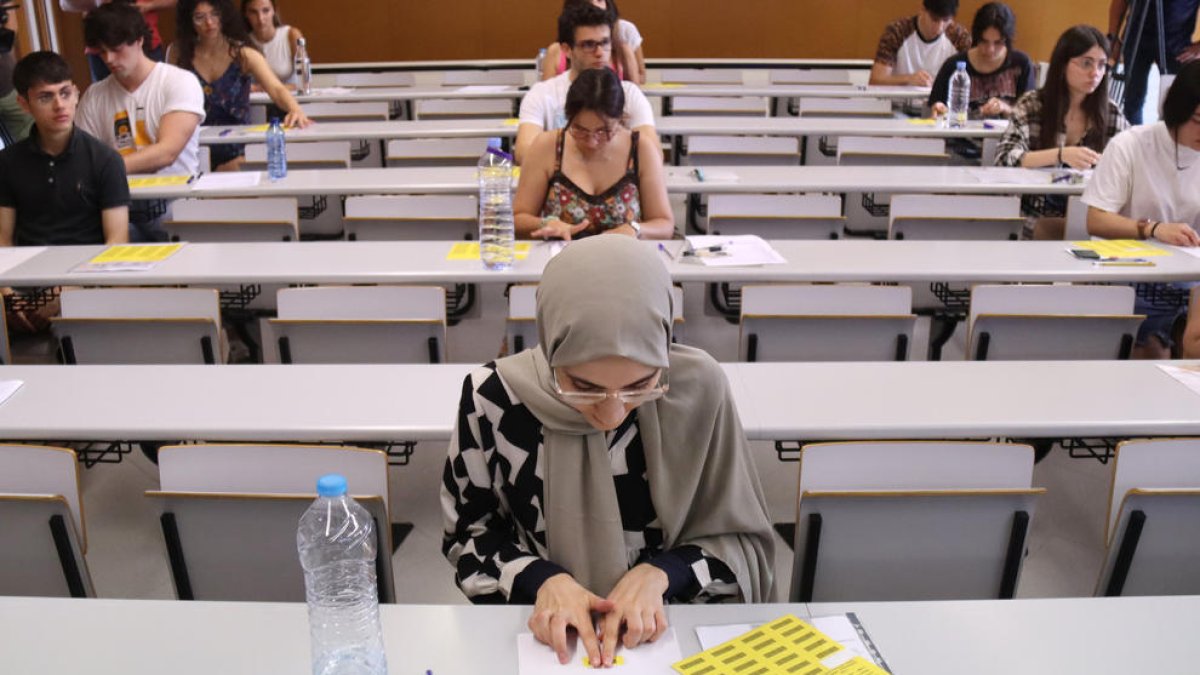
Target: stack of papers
228, 179
731, 251
1121, 248
129, 258
158, 181
469, 250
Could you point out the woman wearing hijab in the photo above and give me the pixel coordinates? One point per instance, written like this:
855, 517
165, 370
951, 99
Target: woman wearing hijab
604, 470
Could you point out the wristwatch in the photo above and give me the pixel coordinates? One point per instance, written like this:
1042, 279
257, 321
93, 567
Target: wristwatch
637, 229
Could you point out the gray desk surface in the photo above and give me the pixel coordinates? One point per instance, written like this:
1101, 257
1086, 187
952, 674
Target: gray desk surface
667, 126
652, 63
740, 179
351, 262
136, 637
777, 401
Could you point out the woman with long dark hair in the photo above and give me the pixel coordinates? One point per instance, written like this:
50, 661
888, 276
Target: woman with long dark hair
276, 40
211, 41
1069, 121
999, 74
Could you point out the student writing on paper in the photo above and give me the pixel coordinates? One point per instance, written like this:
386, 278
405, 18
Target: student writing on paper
604, 470
1147, 186
912, 49
628, 58
999, 74
595, 176
59, 185
1068, 122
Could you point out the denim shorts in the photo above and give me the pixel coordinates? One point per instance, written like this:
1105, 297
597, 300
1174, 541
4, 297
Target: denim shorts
1161, 314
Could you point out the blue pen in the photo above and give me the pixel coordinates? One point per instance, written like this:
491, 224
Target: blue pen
666, 252
225, 132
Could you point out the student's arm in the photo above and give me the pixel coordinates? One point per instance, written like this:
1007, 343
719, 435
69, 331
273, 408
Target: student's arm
526, 133
258, 68
639, 58
531, 194
658, 221
174, 131
115, 222
1110, 225
881, 74
294, 37
1191, 332
8, 221
550, 62
629, 65
940, 90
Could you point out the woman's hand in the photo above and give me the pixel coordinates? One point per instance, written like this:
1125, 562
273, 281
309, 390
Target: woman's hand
920, 79
296, 119
637, 604
1080, 157
939, 109
994, 108
562, 603
557, 229
1177, 234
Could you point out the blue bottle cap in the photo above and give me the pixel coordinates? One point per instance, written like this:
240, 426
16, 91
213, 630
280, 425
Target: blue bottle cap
494, 143
961, 65
331, 485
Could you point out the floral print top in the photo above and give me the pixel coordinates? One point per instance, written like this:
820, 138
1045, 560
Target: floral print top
613, 207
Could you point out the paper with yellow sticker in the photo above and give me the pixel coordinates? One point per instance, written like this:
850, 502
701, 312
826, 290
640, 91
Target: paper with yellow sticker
924, 122
158, 181
511, 122
129, 258
1121, 248
469, 250
785, 645
650, 658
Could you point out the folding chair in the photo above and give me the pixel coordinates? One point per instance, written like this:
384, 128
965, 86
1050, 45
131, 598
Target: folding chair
772, 216
522, 316
139, 326
463, 108
435, 152
871, 151
418, 217
387, 79
955, 217
234, 220
461, 78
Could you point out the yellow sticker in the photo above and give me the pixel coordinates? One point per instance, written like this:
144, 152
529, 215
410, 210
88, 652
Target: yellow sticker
618, 660
858, 666
785, 645
158, 181
511, 122
1121, 248
256, 128
136, 253
469, 250
924, 122
665, 85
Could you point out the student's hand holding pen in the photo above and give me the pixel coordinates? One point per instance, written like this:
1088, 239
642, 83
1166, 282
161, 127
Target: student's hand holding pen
1079, 157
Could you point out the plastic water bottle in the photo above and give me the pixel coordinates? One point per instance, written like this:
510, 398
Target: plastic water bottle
496, 233
960, 96
537, 65
303, 68
276, 151
336, 540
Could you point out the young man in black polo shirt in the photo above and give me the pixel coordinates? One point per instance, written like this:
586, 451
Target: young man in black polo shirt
59, 185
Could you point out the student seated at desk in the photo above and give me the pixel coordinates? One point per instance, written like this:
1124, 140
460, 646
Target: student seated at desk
999, 74
586, 35
149, 111
595, 176
913, 48
275, 40
59, 185
628, 57
604, 470
1147, 186
1068, 122
212, 43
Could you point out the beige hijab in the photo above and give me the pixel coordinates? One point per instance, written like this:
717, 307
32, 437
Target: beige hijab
610, 295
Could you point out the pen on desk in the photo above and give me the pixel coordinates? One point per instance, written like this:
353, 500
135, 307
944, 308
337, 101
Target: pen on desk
1128, 262
225, 132
665, 252
698, 174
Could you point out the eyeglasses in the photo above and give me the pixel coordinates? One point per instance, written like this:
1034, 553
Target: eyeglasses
603, 134
47, 98
201, 17
1088, 63
627, 396
593, 45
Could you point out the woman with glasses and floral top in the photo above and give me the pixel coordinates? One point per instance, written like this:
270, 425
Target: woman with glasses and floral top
595, 176
1066, 123
603, 471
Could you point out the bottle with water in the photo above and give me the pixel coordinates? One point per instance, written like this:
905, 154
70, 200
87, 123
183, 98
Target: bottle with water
496, 234
336, 540
538, 63
303, 68
960, 96
276, 151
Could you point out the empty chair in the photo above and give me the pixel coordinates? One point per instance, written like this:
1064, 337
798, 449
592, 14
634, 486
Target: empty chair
459, 78
139, 326
1153, 520
234, 220
815, 76
955, 217
347, 111
743, 150
823, 322
308, 155
1029, 322
41, 523
522, 315
463, 108
700, 76
844, 107
229, 514
361, 324
874, 151
777, 216
726, 106
911, 520
417, 217
392, 79
435, 152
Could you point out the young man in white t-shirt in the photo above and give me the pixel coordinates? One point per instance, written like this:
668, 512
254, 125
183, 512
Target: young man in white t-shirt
586, 34
1147, 186
912, 49
150, 112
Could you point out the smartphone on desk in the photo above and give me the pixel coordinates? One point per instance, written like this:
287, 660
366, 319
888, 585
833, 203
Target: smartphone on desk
1085, 254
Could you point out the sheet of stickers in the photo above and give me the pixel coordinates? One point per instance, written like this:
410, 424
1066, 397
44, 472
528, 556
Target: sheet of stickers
786, 645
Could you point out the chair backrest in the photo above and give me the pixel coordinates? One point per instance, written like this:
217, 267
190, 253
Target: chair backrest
777, 216
43, 470
700, 75
234, 220
139, 325
844, 107
412, 217
5, 350
915, 465
361, 324
1037, 321
347, 111
308, 155
874, 151
458, 78
463, 108
1155, 547
435, 152
955, 217
840, 322
815, 76
1152, 464
522, 315
42, 554
743, 150
392, 79
727, 106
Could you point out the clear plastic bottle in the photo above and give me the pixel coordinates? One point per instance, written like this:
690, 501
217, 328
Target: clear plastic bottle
276, 151
537, 65
959, 103
303, 68
336, 541
496, 233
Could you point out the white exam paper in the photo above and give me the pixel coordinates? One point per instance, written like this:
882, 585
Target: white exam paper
483, 88
651, 658
1009, 175
8, 388
737, 250
227, 179
11, 256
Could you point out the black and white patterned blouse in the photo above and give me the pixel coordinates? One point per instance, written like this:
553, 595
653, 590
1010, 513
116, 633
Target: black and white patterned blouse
494, 530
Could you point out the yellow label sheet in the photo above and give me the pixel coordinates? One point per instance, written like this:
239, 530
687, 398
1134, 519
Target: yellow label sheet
158, 181
258, 128
922, 122
785, 645
1121, 248
511, 122
136, 253
665, 85
469, 250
